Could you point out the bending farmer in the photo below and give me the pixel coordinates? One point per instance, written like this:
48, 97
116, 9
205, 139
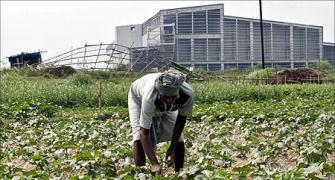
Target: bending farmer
158, 106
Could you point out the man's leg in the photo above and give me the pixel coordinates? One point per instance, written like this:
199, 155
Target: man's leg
134, 116
167, 127
179, 156
138, 153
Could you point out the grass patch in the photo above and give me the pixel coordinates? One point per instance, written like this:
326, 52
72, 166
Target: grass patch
82, 90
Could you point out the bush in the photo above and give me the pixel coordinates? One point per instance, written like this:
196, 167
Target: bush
80, 79
10, 76
122, 67
28, 71
263, 73
99, 74
258, 66
59, 72
324, 65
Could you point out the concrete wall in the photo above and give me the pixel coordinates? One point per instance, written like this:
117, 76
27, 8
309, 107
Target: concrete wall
129, 35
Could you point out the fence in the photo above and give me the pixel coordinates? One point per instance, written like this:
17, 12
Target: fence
243, 79
110, 56
93, 56
121, 58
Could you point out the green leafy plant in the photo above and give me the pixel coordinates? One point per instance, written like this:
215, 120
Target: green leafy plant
81, 79
324, 65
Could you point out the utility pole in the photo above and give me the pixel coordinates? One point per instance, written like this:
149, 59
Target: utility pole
261, 26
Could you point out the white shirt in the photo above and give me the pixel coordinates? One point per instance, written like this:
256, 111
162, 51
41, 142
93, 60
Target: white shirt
146, 94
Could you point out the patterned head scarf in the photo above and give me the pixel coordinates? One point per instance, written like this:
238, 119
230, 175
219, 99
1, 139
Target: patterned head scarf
169, 82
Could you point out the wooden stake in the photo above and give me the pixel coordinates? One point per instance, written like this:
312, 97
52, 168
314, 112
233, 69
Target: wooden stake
100, 96
17, 62
267, 77
285, 79
318, 78
277, 78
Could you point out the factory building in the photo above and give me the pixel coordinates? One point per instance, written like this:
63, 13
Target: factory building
204, 37
329, 52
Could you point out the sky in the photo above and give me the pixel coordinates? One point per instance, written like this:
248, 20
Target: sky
57, 26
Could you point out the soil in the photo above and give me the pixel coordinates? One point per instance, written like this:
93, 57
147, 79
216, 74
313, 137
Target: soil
62, 71
296, 75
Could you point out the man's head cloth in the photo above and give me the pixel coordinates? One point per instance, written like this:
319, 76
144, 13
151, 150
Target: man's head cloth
169, 82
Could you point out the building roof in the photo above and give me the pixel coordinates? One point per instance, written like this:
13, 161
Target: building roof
228, 16
328, 44
271, 21
189, 7
24, 54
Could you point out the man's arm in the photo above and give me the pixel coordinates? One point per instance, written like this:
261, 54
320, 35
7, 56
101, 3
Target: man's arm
148, 146
178, 129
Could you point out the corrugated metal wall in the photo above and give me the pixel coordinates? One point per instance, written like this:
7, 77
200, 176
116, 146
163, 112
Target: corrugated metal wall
329, 52
229, 39
280, 43
202, 34
200, 50
243, 40
299, 43
213, 17
199, 22
184, 23
184, 50
214, 50
313, 48
257, 41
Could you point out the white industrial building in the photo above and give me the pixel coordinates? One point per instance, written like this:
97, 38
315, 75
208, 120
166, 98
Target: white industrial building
203, 37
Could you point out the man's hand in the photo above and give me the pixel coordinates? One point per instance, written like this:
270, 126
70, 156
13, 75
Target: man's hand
156, 169
170, 157
178, 129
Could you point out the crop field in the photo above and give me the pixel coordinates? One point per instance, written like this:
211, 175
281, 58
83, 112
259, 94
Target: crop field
52, 128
